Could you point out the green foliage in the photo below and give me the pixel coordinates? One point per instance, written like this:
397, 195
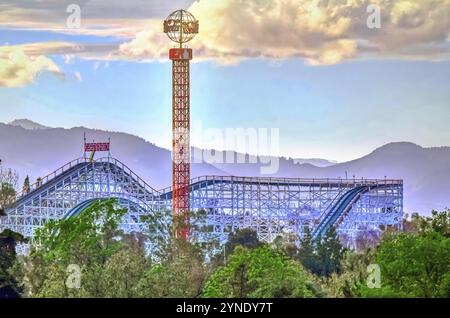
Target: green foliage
90, 237
323, 257
415, 265
8, 184
353, 276
7, 194
260, 272
162, 234
182, 274
438, 222
444, 287
112, 264
122, 273
8, 242
89, 241
306, 253
247, 238
287, 243
411, 225
329, 253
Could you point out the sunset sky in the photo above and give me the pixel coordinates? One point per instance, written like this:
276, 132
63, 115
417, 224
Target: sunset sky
335, 88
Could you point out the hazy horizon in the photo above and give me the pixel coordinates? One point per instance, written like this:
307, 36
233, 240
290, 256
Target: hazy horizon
305, 156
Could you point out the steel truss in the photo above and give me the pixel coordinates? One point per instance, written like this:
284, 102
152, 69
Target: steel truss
180, 139
270, 206
374, 211
76, 182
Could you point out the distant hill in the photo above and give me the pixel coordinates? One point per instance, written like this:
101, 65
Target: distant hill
316, 162
27, 124
36, 150
425, 171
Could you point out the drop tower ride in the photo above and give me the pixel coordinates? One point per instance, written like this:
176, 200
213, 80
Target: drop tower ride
181, 27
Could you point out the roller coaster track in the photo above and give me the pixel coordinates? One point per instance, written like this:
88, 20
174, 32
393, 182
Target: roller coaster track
50, 180
80, 208
331, 216
75, 211
267, 204
63, 174
337, 210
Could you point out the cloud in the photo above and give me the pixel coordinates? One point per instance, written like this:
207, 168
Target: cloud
18, 69
54, 48
321, 32
274, 29
70, 50
101, 18
149, 44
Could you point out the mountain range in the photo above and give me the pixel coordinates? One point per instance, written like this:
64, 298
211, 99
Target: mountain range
35, 150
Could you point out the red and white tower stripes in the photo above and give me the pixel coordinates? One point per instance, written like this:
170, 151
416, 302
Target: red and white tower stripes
181, 27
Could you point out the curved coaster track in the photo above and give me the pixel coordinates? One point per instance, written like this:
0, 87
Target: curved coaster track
271, 206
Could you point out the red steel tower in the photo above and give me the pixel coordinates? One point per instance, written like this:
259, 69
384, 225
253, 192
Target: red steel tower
181, 27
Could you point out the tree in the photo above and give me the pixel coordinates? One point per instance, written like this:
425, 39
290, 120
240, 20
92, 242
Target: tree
88, 237
411, 225
181, 274
87, 241
247, 238
8, 184
260, 272
161, 234
353, 275
123, 271
287, 243
306, 252
438, 222
322, 257
329, 253
26, 185
414, 265
8, 284
111, 263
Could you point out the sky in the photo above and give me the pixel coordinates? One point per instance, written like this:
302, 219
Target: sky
334, 87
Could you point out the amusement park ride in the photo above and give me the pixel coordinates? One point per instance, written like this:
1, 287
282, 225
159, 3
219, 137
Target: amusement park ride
181, 27
270, 206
